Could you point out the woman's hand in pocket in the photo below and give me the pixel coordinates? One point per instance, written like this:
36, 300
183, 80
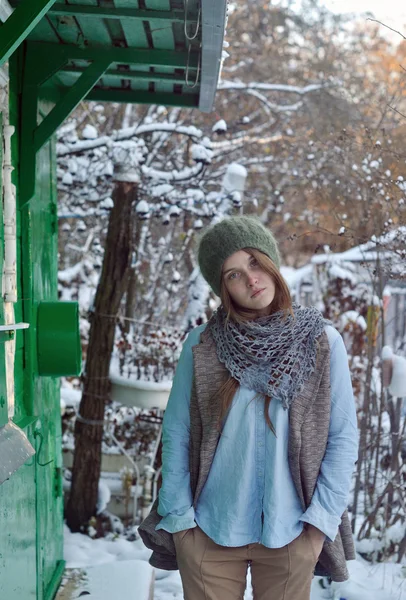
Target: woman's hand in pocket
316, 539
179, 535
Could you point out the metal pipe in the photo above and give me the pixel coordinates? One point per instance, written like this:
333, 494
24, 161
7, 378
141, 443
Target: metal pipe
9, 219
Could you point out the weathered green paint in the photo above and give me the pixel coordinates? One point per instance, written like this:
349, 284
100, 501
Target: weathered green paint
33, 71
3, 390
19, 24
44, 271
31, 510
42, 275
18, 577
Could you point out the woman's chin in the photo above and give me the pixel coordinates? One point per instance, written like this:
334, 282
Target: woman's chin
261, 303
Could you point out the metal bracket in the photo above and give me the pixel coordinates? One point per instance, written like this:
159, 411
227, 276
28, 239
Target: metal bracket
7, 332
37, 69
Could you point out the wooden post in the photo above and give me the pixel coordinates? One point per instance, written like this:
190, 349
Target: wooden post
89, 428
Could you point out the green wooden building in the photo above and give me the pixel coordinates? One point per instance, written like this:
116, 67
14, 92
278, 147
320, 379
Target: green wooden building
52, 56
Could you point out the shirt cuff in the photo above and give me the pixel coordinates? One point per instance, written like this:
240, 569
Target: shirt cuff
317, 516
175, 523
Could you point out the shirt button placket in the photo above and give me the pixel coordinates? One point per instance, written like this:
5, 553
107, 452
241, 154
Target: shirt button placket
260, 450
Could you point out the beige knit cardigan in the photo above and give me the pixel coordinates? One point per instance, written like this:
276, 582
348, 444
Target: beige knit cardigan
309, 418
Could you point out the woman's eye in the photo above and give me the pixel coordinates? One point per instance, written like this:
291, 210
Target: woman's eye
233, 276
254, 263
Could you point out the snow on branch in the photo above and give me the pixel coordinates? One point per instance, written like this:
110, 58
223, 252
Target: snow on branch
66, 148
270, 107
235, 144
172, 176
273, 87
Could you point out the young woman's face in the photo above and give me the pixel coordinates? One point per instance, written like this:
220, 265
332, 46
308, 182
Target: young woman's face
248, 285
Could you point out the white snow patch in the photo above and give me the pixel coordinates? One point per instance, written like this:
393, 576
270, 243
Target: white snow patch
90, 132
382, 581
352, 316
104, 496
142, 207
139, 384
70, 397
220, 126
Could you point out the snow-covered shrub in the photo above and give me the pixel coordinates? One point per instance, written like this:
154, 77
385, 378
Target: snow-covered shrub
151, 355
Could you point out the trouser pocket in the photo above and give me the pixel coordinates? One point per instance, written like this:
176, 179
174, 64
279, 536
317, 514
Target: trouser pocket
179, 537
305, 533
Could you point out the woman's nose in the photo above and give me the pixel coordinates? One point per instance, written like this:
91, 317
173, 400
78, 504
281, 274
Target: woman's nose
251, 280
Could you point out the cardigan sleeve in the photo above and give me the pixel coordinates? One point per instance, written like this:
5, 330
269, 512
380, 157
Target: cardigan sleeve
175, 496
331, 495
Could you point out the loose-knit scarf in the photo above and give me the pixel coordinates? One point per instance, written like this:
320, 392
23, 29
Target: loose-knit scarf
273, 355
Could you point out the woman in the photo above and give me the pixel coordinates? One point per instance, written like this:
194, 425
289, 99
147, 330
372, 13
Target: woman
259, 436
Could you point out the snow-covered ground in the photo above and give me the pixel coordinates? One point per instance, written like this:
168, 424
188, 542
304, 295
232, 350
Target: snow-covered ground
385, 581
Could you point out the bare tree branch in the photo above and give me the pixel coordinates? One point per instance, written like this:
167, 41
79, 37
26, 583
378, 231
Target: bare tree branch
387, 26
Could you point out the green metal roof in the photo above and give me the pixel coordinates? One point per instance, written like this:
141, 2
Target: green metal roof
146, 51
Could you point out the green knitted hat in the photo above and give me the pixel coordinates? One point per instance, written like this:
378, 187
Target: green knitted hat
231, 234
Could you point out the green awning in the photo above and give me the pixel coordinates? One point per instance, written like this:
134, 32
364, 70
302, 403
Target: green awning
137, 51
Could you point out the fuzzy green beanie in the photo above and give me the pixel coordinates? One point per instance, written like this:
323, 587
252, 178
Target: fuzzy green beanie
231, 234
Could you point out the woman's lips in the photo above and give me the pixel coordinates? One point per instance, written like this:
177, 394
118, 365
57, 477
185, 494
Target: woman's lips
257, 293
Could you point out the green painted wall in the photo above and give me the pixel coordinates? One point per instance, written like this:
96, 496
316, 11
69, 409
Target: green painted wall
18, 578
31, 507
41, 220
3, 390
18, 536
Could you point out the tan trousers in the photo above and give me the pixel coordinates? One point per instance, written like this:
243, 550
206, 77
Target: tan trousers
213, 572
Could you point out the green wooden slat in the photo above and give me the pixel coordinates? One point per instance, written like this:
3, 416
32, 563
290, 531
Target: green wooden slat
122, 10
19, 24
134, 56
94, 30
44, 32
134, 31
113, 25
67, 29
186, 100
162, 37
115, 74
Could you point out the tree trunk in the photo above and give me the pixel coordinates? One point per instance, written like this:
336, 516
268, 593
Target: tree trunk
88, 435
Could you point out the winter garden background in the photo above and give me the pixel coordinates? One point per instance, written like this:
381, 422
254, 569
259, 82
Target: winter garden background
308, 134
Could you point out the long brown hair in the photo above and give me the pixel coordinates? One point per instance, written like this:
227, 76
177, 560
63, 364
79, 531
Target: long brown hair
281, 301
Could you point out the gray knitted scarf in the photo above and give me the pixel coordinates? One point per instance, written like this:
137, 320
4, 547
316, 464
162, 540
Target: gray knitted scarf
272, 355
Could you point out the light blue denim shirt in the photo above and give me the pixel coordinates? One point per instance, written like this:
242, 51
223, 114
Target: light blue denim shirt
249, 495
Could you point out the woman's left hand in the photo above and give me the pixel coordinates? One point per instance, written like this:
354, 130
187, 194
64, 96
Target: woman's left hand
316, 538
